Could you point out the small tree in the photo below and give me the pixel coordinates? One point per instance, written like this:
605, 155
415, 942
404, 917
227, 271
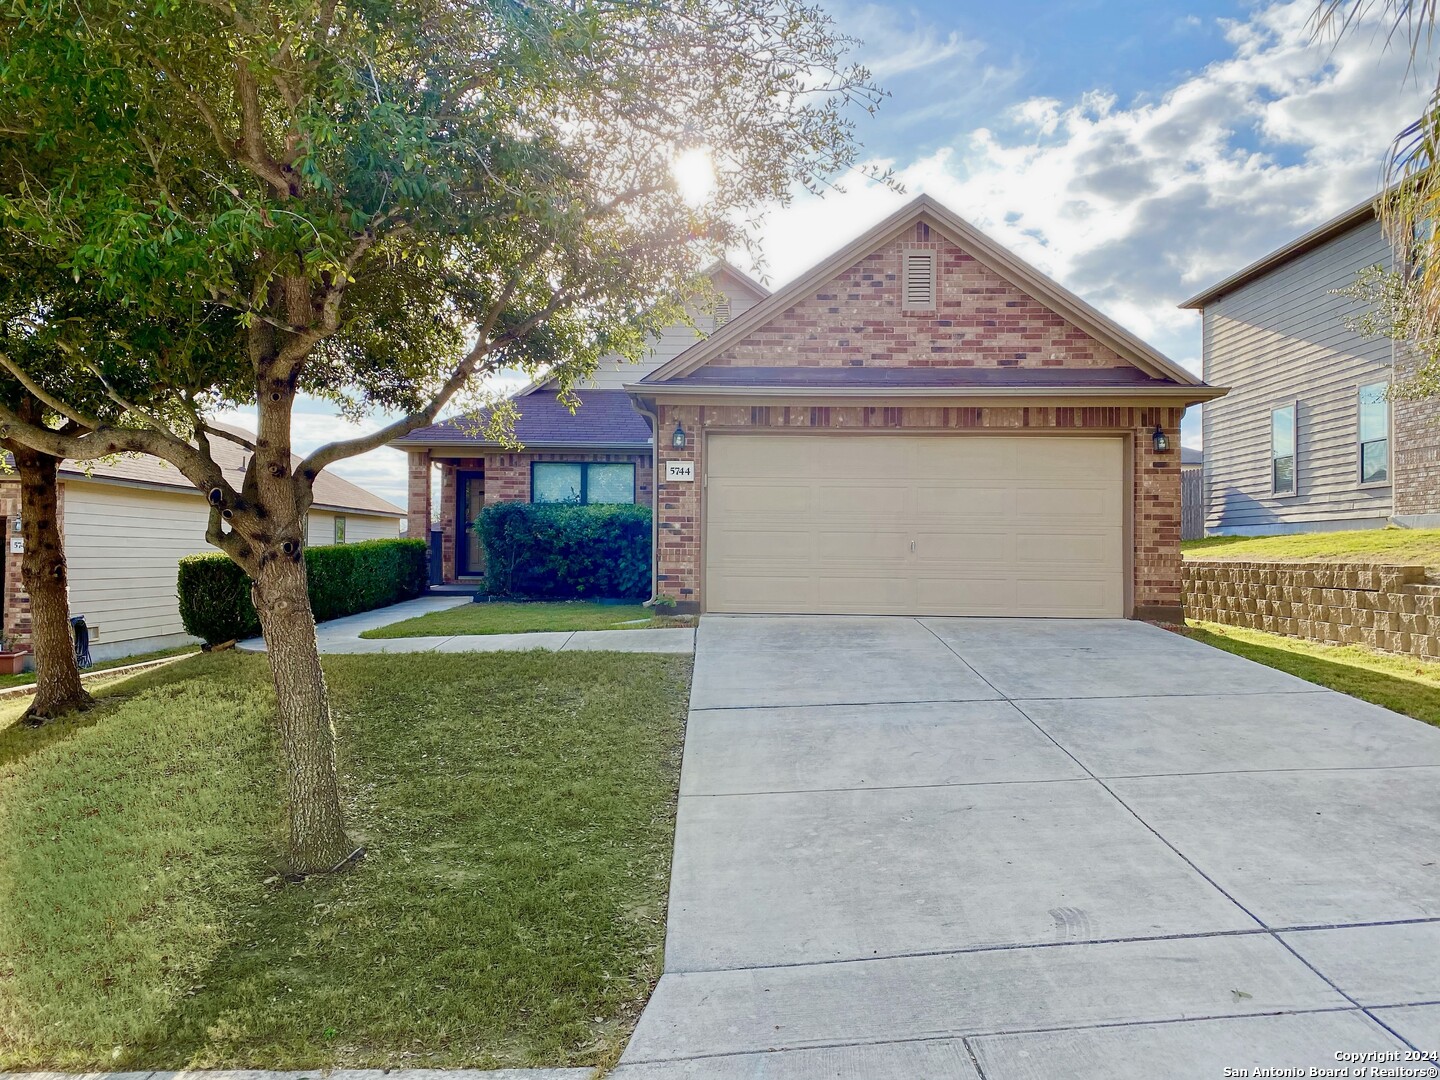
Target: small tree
393, 199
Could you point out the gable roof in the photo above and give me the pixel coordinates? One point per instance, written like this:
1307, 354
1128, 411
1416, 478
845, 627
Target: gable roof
983, 249
1342, 223
331, 492
605, 420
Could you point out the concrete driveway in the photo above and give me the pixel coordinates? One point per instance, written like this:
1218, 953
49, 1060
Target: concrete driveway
992, 848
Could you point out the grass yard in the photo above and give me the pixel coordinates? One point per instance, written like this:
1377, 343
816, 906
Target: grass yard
518, 809
1405, 684
28, 677
504, 618
1415, 547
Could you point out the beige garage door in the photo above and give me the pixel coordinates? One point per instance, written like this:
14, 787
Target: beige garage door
943, 525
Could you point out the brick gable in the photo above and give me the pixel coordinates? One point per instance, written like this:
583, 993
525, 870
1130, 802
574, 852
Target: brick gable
980, 320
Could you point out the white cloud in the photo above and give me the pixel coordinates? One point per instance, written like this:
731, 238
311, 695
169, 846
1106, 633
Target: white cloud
1136, 206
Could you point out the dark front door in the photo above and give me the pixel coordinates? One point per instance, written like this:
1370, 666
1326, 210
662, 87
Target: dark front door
470, 496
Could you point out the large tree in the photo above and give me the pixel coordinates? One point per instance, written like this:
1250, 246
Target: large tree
394, 198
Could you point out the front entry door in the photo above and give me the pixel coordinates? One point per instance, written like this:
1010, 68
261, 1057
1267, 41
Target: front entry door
470, 495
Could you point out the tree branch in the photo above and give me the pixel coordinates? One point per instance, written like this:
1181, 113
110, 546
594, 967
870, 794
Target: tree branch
41, 394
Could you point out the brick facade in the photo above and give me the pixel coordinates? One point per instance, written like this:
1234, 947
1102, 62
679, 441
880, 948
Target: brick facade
417, 507
507, 479
15, 624
1383, 607
980, 320
1156, 480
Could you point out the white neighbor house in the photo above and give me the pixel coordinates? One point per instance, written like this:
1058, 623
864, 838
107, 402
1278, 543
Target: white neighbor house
129, 521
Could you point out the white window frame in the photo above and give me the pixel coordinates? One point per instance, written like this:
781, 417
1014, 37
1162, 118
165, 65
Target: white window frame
928, 256
339, 527
1360, 444
1294, 407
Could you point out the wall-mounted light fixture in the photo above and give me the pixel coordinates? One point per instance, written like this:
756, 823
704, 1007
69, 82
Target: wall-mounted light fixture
677, 440
16, 526
1162, 441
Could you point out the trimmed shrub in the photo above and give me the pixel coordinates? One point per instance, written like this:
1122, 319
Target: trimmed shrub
344, 579
558, 551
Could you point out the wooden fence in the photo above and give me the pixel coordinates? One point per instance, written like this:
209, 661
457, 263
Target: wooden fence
1192, 504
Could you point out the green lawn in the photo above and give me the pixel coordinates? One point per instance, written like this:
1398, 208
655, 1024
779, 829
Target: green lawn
29, 677
1403, 683
518, 809
525, 619
1415, 547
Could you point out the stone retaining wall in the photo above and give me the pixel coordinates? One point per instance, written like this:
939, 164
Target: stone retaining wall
1384, 607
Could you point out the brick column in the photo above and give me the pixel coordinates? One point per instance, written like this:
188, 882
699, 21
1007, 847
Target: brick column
17, 627
417, 515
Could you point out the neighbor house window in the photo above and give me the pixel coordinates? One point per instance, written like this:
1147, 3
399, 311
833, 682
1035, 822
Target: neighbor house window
339, 528
1282, 450
582, 482
1374, 434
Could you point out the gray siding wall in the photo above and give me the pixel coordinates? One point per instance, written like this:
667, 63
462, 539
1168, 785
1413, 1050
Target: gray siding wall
1279, 339
614, 372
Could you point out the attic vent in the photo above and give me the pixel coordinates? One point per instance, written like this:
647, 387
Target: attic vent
722, 311
918, 280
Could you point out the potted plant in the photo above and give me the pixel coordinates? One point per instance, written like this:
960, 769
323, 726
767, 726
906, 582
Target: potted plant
11, 662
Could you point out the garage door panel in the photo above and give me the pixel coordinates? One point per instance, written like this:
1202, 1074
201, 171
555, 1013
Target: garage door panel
862, 545
1071, 550
1056, 595
969, 549
847, 499
1000, 525
733, 498
1044, 503
950, 502
754, 547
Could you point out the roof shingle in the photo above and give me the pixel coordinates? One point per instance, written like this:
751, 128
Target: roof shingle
605, 418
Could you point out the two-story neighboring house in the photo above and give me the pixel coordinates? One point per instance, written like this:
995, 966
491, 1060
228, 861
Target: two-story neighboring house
1307, 439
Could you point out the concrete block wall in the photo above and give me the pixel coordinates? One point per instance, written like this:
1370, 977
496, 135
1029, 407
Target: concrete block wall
1384, 607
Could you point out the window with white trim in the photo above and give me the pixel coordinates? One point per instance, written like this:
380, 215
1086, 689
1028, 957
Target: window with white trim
1282, 450
917, 280
1373, 433
339, 528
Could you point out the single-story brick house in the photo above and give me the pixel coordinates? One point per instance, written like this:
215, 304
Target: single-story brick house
126, 524
600, 453
921, 424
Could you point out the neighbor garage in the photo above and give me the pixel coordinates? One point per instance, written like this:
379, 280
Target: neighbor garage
874, 524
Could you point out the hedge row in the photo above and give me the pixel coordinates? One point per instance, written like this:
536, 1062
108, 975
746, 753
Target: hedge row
558, 551
344, 579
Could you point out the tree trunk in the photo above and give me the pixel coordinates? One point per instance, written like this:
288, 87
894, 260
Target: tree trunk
316, 828
58, 689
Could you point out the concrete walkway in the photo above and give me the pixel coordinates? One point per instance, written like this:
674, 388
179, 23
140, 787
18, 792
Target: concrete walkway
1004, 849
343, 635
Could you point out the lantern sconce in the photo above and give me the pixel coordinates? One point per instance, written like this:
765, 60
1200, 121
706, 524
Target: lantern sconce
1162, 441
677, 440
16, 525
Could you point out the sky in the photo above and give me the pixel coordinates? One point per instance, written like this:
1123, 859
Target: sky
1135, 150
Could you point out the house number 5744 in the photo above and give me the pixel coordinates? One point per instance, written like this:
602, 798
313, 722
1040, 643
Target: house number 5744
679, 470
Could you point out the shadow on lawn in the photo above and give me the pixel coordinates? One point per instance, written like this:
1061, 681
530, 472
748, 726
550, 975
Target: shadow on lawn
18, 741
1410, 696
